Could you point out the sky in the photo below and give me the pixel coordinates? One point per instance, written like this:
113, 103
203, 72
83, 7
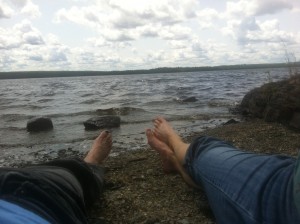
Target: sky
38, 35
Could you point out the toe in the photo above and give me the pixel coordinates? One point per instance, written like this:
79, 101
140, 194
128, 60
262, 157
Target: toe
104, 134
160, 119
149, 134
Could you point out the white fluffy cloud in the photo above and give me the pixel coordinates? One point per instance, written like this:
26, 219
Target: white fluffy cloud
244, 24
31, 10
133, 34
129, 20
5, 11
10, 8
257, 7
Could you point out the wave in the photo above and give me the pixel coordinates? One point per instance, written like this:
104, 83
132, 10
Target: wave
118, 111
57, 85
91, 101
88, 94
44, 100
23, 106
109, 111
13, 129
186, 99
88, 112
14, 117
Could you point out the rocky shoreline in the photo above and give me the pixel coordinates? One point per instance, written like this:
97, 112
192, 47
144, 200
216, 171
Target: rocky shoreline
137, 190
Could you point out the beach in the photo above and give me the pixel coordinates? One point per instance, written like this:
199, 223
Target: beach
136, 189
139, 192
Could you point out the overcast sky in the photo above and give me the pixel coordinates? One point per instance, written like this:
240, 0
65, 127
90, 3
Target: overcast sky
142, 34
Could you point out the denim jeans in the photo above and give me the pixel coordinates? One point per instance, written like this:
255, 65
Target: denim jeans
59, 191
243, 187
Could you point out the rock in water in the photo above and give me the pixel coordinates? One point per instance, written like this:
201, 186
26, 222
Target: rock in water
39, 124
275, 102
102, 122
189, 99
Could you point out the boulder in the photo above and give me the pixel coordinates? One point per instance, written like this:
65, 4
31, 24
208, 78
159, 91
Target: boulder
187, 100
190, 99
102, 122
39, 124
275, 102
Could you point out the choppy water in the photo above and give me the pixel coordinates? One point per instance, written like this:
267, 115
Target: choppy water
136, 98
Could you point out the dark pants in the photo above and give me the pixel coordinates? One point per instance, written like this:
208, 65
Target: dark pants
59, 191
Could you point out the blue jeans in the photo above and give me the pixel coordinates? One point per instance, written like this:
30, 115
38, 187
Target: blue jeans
243, 187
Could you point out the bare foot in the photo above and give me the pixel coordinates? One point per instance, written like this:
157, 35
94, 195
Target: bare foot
164, 151
164, 131
170, 162
100, 149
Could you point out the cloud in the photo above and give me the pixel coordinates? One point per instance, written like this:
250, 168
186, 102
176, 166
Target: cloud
271, 6
8, 39
87, 16
31, 10
23, 45
177, 44
33, 38
247, 8
16, 7
118, 36
118, 20
36, 58
126, 21
175, 33
24, 33
207, 17
250, 30
165, 12
131, 34
150, 31
188, 8
155, 57
244, 25
5, 11
57, 55
19, 3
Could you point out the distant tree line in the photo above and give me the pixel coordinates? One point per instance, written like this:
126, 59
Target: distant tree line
47, 74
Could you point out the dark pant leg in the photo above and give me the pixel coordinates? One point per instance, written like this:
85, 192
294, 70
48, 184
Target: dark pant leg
59, 191
89, 176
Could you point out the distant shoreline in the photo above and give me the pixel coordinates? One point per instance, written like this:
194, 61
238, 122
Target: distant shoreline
49, 74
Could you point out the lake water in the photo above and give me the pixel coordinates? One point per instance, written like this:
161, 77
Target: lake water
137, 99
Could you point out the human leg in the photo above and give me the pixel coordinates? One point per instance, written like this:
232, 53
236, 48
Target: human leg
243, 187
61, 190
